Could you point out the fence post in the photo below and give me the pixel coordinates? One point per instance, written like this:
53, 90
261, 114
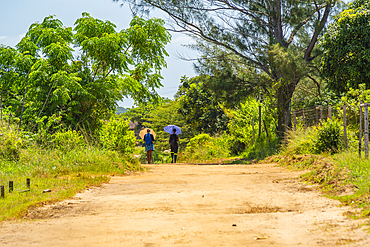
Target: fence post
2, 191
360, 132
295, 121
11, 187
259, 116
253, 130
28, 181
344, 126
304, 118
267, 133
329, 111
320, 109
366, 131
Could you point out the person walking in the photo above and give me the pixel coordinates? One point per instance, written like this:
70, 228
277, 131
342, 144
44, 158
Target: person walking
174, 139
149, 145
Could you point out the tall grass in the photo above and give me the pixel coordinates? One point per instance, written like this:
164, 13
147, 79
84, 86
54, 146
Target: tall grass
64, 171
343, 175
203, 148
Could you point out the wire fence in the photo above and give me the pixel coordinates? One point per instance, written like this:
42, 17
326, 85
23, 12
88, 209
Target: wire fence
354, 116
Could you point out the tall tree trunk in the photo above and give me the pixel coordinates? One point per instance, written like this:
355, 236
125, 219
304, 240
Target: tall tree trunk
284, 97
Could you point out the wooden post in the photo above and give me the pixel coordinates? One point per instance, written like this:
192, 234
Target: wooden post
295, 121
253, 130
345, 127
329, 111
366, 131
360, 132
304, 118
317, 116
320, 109
28, 182
259, 116
2, 191
11, 188
267, 133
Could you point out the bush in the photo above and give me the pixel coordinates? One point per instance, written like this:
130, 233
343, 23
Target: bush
236, 145
10, 145
197, 142
300, 141
329, 137
243, 126
204, 148
116, 135
261, 149
68, 140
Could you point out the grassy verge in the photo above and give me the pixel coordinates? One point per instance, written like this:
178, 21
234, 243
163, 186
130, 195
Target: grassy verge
342, 176
64, 173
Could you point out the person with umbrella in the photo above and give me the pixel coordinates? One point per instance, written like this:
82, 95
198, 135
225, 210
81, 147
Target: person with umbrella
149, 143
174, 139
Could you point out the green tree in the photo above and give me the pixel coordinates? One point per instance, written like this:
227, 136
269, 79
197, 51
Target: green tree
346, 44
165, 114
157, 117
115, 135
250, 30
139, 114
226, 76
200, 109
83, 84
244, 126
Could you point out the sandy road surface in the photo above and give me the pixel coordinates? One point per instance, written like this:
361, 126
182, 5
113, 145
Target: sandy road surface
189, 205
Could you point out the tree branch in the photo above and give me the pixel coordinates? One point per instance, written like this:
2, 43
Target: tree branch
304, 22
318, 29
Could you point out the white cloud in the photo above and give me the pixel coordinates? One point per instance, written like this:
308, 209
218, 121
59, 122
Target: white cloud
11, 40
20, 36
183, 39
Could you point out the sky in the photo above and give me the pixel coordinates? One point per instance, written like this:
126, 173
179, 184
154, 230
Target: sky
16, 16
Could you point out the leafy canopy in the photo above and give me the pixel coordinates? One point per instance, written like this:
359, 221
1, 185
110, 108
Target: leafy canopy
249, 30
80, 73
346, 44
199, 107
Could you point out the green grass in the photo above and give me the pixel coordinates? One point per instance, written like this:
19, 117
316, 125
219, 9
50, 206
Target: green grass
64, 173
16, 204
342, 176
206, 150
358, 171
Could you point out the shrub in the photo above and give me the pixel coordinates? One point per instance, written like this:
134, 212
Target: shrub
116, 135
236, 145
300, 141
243, 126
68, 140
197, 142
46, 126
204, 148
10, 145
329, 137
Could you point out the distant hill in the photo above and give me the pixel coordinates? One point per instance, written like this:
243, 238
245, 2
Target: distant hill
121, 110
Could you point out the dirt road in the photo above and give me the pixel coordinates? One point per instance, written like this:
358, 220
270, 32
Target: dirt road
192, 205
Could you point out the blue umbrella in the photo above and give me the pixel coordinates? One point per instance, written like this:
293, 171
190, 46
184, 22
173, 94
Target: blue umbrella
169, 129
